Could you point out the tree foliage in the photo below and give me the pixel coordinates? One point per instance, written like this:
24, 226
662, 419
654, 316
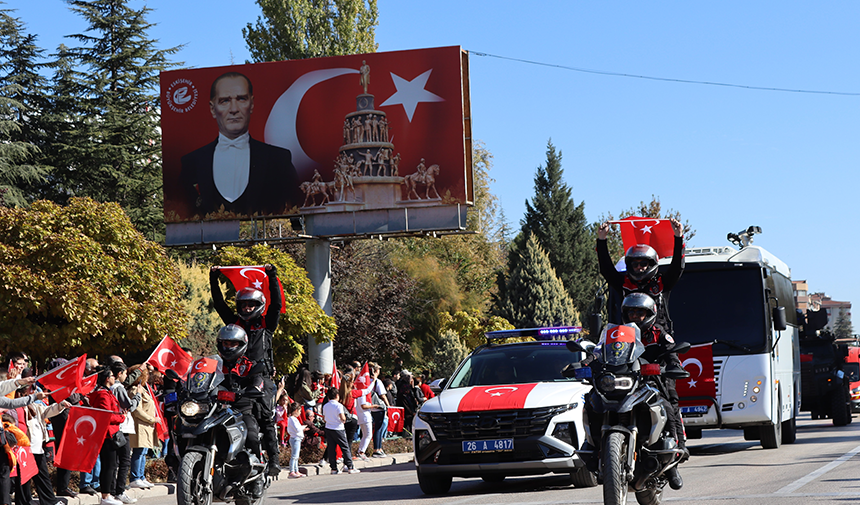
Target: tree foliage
448, 353
304, 318
202, 321
535, 297
371, 303
81, 278
843, 328
298, 29
471, 325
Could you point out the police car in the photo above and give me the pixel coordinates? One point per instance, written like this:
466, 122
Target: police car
506, 411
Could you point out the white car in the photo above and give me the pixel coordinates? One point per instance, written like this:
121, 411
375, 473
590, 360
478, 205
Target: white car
507, 410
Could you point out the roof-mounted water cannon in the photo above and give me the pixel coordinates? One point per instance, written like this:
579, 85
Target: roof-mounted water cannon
743, 238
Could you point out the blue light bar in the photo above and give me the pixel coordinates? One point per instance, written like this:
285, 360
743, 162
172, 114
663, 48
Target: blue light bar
550, 333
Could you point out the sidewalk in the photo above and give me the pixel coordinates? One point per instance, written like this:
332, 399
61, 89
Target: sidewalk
163, 489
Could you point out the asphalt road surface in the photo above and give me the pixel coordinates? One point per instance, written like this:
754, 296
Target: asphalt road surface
822, 467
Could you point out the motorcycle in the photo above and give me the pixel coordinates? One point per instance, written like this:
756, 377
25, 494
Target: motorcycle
210, 441
631, 436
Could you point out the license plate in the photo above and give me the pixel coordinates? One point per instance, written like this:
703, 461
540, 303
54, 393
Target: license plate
697, 409
479, 446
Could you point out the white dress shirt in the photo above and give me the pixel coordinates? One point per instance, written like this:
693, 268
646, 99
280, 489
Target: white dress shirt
231, 166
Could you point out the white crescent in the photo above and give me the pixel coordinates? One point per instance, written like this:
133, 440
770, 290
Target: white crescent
160, 356
281, 127
71, 365
696, 362
509, 388
242, 272
85, 419
395, 415
199, 365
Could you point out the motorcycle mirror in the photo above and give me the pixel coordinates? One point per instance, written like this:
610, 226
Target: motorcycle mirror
676, 374
569, 371
681, 347
171, 374
574, 346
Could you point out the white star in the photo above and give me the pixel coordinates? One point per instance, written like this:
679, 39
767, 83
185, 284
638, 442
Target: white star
692, 383
81, 440
172, 364
646, 229
410, 93
496, 394
258, 284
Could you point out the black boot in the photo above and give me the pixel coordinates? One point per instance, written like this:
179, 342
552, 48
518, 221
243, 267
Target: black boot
675, 480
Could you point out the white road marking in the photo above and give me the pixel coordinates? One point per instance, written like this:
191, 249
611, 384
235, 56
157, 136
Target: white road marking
794, 486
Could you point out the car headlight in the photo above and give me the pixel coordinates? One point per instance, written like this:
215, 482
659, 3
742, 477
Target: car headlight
190, 409
562, 431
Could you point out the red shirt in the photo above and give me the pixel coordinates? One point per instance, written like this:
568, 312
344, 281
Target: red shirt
102, 398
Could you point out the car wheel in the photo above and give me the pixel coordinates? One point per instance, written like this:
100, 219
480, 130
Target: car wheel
493, 478
583, 478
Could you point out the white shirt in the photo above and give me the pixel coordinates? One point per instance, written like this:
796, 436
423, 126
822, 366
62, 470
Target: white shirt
330, 413
363, 415
231, 166
295, 428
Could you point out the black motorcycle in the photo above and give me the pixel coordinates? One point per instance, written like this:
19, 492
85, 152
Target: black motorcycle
210, 440
631, 444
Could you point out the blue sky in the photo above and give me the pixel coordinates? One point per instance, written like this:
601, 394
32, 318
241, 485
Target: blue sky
725, 157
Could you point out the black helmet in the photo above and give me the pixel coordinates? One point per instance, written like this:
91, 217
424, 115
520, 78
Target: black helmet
231, 333
254, 297
638, 253
643, 302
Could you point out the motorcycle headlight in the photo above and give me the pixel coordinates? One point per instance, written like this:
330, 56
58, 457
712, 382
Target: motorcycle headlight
608, 383
190, 409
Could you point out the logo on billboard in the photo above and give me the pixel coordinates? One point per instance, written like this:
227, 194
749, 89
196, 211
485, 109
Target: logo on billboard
182, 95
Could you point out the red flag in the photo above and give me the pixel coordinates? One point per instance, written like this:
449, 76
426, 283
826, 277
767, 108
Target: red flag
161, 426
395, 419
363, 379
88, 383
699, 361
64, 378
253, 277
26, 464
168, 355
512, 397
335, 378
657, 233
206, 365
82, 440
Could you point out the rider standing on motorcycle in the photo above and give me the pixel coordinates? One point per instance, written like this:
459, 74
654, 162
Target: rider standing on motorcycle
251, 303
641, 310
241, 375
642, 275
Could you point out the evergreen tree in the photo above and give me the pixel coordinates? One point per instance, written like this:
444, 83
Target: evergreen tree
22, 102
535, 297
843, 328
448, 353
561, 229
113, 151
298, 29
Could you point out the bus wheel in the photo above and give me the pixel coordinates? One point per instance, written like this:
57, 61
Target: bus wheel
789, 431
771, 434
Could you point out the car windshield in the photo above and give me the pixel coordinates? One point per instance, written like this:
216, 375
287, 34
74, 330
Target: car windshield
515, 364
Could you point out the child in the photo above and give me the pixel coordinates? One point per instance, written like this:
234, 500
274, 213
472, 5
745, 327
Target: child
281, 415
296, 430
335, 432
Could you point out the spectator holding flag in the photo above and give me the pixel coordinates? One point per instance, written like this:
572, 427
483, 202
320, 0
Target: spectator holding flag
143, 438
103, 398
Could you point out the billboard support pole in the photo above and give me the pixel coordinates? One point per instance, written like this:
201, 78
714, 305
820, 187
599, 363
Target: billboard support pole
320, 355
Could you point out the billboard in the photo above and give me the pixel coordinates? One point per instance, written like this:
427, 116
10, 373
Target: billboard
318, 136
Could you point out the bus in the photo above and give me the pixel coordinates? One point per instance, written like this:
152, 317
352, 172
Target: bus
741, 302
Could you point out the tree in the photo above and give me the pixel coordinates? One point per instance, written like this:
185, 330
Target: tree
535, 296
471, 325
202, 321
371, 303
298, 29
80, 278
22, 103
562, 231
448, 353
303, 319
113, 150
652, 209
843, 328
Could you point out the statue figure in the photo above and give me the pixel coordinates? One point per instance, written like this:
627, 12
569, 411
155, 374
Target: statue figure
374, 132
395, 165
368, 163
383, 129
382, 158
365, 75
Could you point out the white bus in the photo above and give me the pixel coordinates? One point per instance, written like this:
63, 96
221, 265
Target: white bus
742, 301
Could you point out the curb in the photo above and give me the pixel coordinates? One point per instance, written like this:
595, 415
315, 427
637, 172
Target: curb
164, 489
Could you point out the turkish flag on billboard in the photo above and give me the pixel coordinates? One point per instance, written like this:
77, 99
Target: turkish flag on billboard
412, 104
168, 355
253, 277
511, 397
699, 361
63, 379
83, 438
395, 419
657, 233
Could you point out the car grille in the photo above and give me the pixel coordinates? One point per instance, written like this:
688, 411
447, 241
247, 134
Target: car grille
492, 424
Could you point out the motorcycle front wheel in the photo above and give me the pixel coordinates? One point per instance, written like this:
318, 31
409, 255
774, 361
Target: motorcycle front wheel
615, 484
191, 486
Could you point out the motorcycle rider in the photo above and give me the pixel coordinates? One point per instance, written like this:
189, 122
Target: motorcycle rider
241, 375
251, 303
642, 275
641, 310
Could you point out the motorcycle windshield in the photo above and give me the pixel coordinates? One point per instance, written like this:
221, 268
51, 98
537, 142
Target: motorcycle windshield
204, 375
620, 344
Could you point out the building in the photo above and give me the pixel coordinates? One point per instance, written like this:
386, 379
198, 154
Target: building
835, 309
801, 295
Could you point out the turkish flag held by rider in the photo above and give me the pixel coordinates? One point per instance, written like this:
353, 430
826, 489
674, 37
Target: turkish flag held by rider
253, 277
657, 233
168, 355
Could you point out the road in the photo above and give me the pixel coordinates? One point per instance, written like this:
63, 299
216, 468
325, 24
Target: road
823, 467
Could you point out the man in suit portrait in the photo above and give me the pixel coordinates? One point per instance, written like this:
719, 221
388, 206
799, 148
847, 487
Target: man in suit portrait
242, 174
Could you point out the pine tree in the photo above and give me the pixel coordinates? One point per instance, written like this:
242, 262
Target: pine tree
562, 230
22, 102
298, 29
448, 353
843, 328
113, 151
535, 297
